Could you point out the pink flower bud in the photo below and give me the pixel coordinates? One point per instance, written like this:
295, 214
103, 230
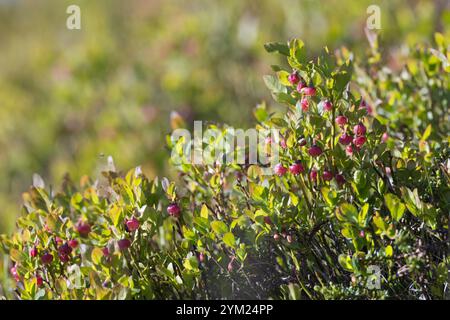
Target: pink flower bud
327, 175
301, 85
326, 105
345, 139
132, 224
47, 258
296, 168
305, 104
174, 210
340, 179
315, 151
359, 141
341, 120
124, 244
280, 170
308, 91
294, 78
73, 243
359, 129
83, 228
313, 174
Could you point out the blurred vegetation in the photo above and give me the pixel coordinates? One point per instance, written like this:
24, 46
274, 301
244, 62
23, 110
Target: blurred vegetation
68, 99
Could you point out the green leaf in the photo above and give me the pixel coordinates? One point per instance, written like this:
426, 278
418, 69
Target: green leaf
279, 122
215, 181
347, 212
39, 294
343, 77
229, 239
191, 263
412, 201
395, 206
346, 232
379, 223
439, 39
283, 97
219, 227
389, 251
297, 51
204, 212
277, 47
360, 179
330, 196
15, 255
362, 216
427, 133
346, 262
260, 112
114, 214
273, 84
96, 255
201, 224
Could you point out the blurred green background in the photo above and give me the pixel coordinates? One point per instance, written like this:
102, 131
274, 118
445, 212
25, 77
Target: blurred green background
70, 98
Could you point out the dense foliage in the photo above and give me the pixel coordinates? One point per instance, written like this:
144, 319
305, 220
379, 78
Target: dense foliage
363, 182
70, 98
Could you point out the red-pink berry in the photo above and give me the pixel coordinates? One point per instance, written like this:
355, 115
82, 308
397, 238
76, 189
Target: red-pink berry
340, 179
341, 120
201, 257
345, 139
268, 220
302, 142
364, 105
283, 143
362, 234
326, 105
359, 129
63, 257
301, 85
305, 104
105, 251
308, 91
294, 78
313, 174
73, 243
132, 224
384, 137
280, 170
39, 280
327, 175
315, 151
124, 244
83, 228
47, 258
173, 210
349, 150
33, 252
65, 249
58, 240
296, 168
276, 237
359, 141
14, 273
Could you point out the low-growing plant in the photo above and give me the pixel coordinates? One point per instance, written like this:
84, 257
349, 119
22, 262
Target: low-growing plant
357, 207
